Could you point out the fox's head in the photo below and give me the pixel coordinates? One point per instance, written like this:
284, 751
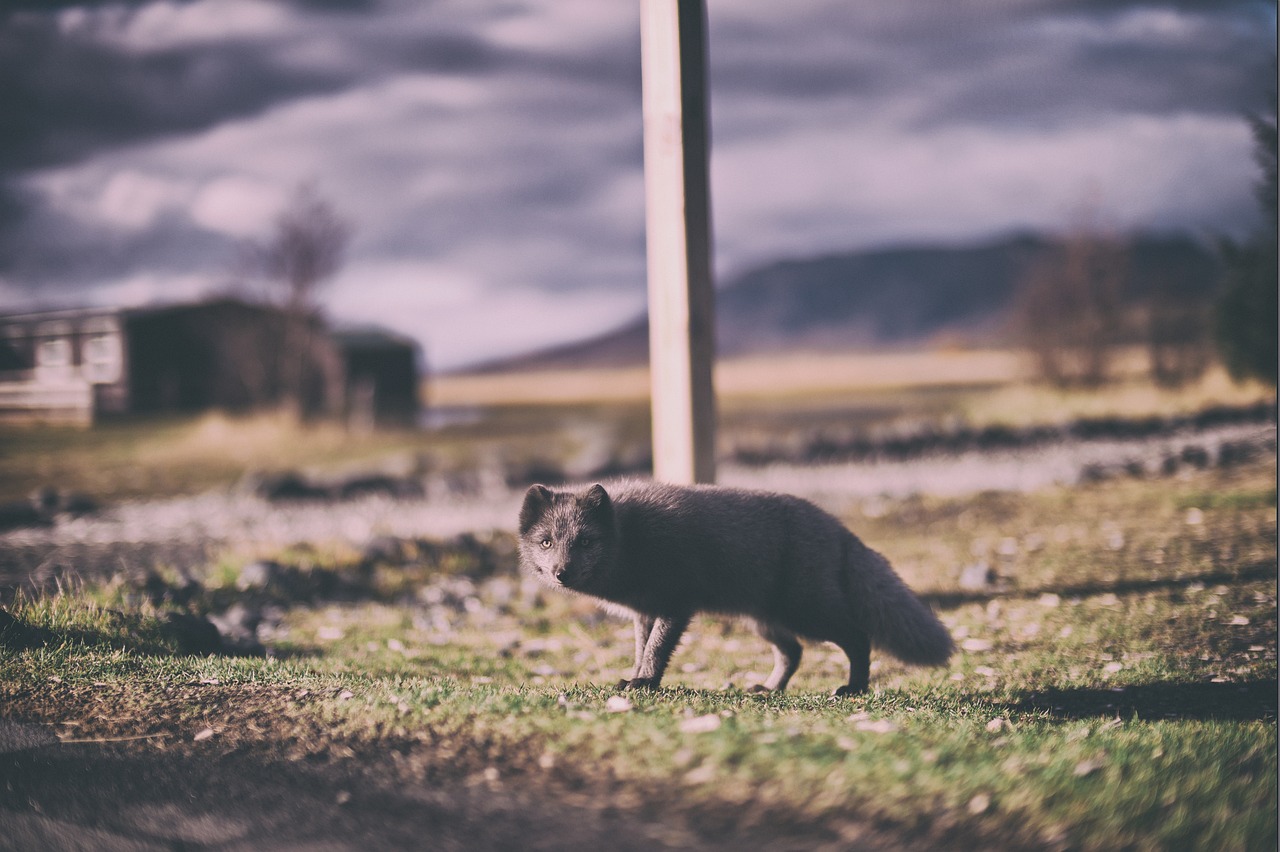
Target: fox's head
567, 539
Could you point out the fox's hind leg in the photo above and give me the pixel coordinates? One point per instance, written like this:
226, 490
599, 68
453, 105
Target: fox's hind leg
786, 656
858, 649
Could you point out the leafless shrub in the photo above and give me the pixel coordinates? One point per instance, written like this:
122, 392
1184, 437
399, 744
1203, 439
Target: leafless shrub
1070, 311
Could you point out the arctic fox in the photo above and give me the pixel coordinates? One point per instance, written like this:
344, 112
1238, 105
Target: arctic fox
662, 553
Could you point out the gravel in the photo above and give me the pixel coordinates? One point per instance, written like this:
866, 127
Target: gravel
190, 531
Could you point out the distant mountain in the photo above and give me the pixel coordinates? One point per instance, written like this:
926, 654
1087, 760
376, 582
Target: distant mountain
907, 295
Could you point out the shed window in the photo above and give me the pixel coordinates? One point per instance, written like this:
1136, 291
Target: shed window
101, 357
54, 353
53, 359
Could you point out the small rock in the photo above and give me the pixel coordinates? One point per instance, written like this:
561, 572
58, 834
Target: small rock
1197, 457
288, 486
1086, 767
385, 549
238, 627
380, 484
258, 575
1093, 472
700, 724
876, 726
977, 577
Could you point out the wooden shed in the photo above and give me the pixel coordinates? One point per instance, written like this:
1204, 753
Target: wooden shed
75, 366
382, 372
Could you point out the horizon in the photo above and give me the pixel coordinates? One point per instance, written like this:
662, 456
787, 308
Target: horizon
340, 325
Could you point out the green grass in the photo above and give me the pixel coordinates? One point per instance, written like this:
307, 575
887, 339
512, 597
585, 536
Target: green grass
1119, 691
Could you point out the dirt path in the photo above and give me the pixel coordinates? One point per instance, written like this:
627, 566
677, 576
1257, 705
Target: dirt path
109, 797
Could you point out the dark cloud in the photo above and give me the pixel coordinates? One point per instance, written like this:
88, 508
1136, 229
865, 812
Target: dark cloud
66, 96
61, 256
494, 148
1025, 64
337, 6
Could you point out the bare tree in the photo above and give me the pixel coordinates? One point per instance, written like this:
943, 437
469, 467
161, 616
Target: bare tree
307, 248
305, 251
1070, 307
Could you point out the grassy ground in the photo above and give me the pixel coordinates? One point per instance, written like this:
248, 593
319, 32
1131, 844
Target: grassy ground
1116, 689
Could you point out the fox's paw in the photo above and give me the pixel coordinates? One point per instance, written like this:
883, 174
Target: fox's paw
759, 689
648, 684
847, 691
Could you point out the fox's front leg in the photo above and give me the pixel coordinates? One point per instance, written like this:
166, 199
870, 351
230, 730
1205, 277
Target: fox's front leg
664, 635
643, 626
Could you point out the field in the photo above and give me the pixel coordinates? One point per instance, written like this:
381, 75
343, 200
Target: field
575, 421
1114, 687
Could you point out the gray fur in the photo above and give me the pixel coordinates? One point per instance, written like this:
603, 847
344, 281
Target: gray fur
663, 553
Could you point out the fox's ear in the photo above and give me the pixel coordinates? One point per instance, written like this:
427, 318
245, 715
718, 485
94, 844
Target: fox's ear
536, 501
596, 500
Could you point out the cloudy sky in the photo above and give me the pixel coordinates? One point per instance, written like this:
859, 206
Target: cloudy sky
487, 153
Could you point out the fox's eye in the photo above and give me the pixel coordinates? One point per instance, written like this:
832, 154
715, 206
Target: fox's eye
546, 544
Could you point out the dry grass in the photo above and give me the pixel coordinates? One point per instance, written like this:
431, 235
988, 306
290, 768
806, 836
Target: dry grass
1026, 403
756, 376
164, 456
998, 382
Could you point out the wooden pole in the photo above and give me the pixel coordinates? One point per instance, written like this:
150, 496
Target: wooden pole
678, 236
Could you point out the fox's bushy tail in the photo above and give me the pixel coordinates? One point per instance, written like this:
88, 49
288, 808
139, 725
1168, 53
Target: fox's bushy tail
893, 617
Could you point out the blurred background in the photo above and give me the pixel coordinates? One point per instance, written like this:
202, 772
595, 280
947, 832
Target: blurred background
926, 217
